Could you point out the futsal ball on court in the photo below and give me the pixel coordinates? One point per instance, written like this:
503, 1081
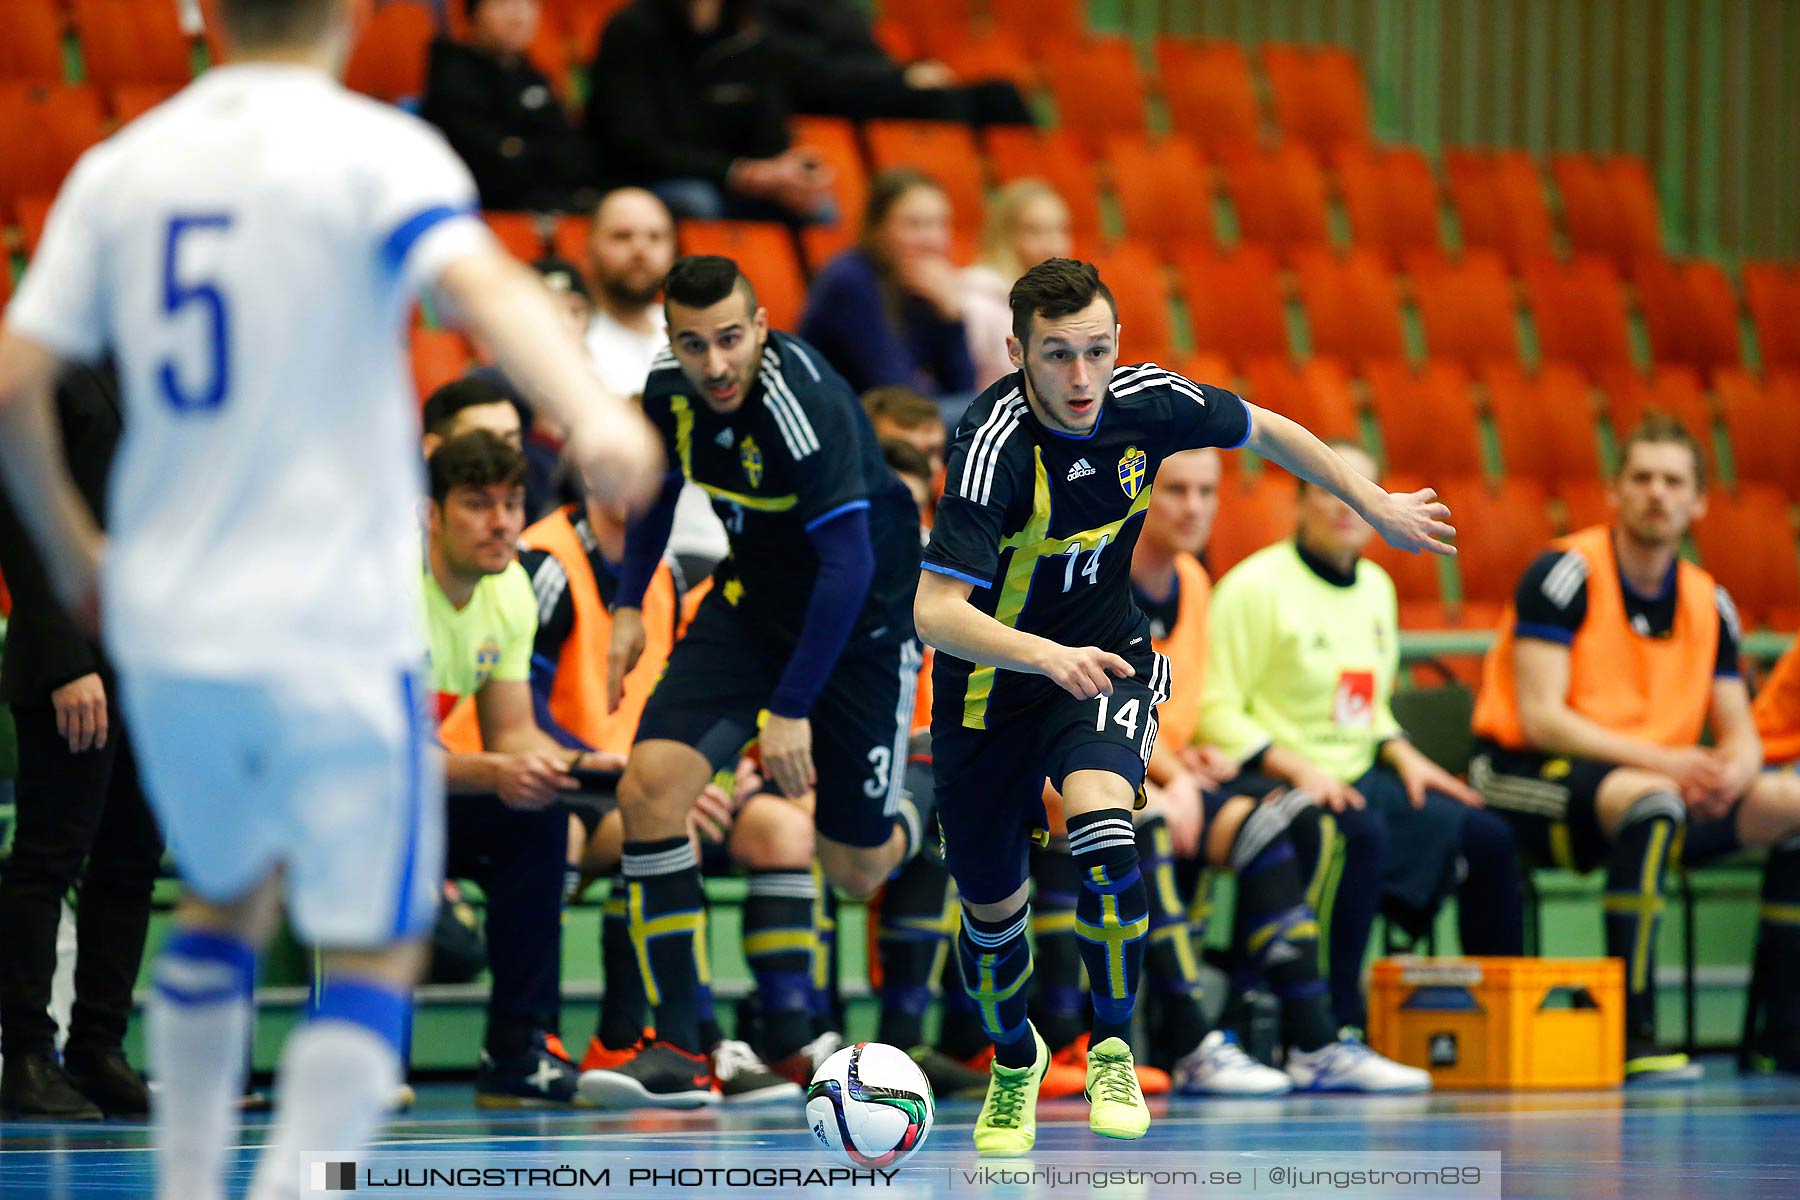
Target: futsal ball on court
869, 1105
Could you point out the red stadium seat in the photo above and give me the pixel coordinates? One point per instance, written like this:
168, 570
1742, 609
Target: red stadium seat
1042, 23
1609, 206
1251, 516
1763, 421
44, 129
1139, 282
898, 37
1772, 291
1579, 308
1056, 156
1278, 196
1352, 305
1747, 542
132, 100
765, 251
944, 150
1499, 202
1676, 391
1545, 422
1391, 197
388, 61
1498, 532
31, 41
1098, 86
1164, 189
1429, 424
438, 357
125, 41
1319, 95
1235, 301
981, 53
1207, 87
1690, 311
518, 232
1467, 308
1317, 395
33, 212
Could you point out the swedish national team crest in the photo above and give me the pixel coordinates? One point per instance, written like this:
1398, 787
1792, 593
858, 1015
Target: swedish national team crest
751, 459
1133, 465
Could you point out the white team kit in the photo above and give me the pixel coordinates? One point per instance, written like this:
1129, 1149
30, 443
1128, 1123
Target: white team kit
248, 253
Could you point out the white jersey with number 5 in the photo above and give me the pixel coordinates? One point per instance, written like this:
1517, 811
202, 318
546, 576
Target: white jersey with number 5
249, 253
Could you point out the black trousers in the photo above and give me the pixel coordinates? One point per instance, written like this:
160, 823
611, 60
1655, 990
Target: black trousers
82, 823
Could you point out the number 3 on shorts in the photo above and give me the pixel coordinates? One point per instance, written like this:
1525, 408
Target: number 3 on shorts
881, 760
1125, 717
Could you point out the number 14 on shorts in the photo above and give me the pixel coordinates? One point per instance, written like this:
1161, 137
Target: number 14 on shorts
1125, 716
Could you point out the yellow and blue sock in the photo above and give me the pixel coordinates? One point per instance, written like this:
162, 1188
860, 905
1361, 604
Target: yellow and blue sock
1112, 918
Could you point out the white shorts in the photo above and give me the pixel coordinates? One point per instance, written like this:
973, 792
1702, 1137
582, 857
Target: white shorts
330, 776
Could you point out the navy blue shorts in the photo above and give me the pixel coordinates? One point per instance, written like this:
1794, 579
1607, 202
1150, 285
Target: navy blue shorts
719, 679
990, 782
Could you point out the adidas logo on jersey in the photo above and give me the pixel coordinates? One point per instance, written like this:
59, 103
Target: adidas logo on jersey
725, 438
1081, 470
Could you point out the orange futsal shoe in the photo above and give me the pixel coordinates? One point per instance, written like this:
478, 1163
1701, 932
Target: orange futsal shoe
1061, 1079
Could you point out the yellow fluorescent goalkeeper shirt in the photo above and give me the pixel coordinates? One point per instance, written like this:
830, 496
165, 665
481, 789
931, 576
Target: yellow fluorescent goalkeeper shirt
1302, 663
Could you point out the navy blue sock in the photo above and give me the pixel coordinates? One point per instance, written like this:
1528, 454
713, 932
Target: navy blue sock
666, 915
996, 966
1112, 918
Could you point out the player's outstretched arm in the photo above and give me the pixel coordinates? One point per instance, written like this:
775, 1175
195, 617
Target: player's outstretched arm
37, 476
946, 620
615, 446
1411, 521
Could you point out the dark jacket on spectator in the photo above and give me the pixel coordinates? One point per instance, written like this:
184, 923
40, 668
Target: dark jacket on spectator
44, 647
481, 103
850, 319
666, 103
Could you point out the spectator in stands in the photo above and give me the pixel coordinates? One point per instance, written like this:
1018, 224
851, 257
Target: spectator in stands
1613, 657
890, 310
631, 246
1027, 222
1303, 651
501, 115
82, 820
913, 468
838, 69
507, 828
688, 99
904, 414
563, 279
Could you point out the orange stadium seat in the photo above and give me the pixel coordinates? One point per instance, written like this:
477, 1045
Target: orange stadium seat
1098, 85
1207, 87
1609, 206
819, 244
1251, 516
1429, 424
1499, 531
124, 41
1352, 305
1391, 197
1234, 301
834, 140
1415, 576
388, 61
34, 211
1579, 307
1585, 502
1319, 95
1139, 282
980, 53
1042, 23
1690, 312
1203, 366
31, 41
1763, 421
130, 101
765, 251
44, 129
438, 357
1499, 202
899, 38
569, 240
518, 232
1164, 189
1545, 422
946, 151
1056, 156
1772, 292
1676, 391
1467, 308
1317, 394
1747, 542
1278, 196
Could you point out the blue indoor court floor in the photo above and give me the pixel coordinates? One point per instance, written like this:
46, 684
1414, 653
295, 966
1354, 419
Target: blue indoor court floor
1726, 1137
